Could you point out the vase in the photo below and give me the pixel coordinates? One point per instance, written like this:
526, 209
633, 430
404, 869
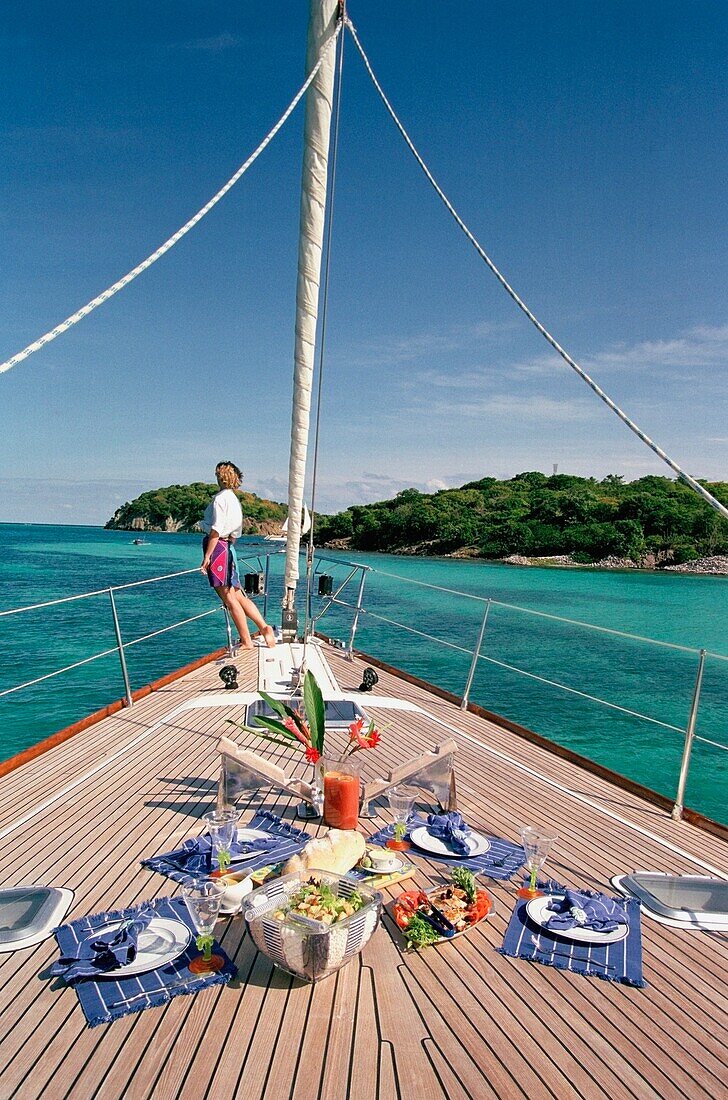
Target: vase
341, 792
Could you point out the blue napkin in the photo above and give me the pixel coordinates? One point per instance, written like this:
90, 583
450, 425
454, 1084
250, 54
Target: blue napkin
106, 996
194, 856
99, 952
451, 829
502, 859
580, 909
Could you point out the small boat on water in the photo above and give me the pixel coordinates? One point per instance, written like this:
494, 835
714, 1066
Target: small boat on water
139, 542
305, 528
111, 811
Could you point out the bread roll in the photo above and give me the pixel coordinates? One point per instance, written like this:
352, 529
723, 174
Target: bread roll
338, 852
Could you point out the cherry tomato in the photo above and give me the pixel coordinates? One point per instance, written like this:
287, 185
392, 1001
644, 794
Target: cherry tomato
406, 906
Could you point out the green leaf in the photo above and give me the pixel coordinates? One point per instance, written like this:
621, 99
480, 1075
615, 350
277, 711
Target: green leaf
466, 881
276, 726
276, 705
270, 723
315, 711
274, 740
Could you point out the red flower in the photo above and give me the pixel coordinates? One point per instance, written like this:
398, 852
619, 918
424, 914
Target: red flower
355, 730
312, 754
373, 738
360, 740
299, 729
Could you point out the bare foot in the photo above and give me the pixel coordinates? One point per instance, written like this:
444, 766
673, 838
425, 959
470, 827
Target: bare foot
244, 645
269, 635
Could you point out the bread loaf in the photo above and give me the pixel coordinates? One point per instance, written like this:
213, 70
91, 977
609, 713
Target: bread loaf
338, 852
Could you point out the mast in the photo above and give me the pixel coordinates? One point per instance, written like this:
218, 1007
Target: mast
314, 180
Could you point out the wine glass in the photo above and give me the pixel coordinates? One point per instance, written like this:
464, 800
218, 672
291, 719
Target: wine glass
222, 830
537, 846
203, 897
401, 800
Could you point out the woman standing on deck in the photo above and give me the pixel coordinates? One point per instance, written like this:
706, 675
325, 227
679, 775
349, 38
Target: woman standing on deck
222, 524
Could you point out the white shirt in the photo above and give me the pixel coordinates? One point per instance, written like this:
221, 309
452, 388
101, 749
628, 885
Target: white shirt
224, 515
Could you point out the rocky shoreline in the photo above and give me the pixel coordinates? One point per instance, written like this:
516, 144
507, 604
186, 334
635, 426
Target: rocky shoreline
716, 566
173, 526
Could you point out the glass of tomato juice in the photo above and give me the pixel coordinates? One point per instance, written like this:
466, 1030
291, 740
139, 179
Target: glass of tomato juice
341, 793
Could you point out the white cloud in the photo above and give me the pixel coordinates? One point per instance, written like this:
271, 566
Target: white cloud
532, 406
396, 350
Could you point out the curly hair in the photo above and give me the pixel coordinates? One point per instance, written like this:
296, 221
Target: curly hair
228, 475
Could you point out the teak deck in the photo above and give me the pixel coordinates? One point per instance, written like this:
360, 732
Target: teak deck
458, 1020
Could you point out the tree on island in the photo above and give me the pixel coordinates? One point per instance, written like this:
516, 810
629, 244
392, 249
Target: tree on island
539, 516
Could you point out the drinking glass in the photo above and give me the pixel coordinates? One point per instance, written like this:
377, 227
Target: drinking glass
401, 800
222, 830
342, 787
537, 846
203, 897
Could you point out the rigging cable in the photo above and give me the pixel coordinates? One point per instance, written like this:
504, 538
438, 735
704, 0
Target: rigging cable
324, 312
131, 275
703, 492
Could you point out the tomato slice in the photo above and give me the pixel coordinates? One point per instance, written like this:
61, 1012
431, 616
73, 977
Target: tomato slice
479, 908
406, 906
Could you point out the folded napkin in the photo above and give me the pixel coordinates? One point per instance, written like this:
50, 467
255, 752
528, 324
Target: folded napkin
580, 909
107, 996
194, 855
613, 961
192, 858
451, 829
99, 952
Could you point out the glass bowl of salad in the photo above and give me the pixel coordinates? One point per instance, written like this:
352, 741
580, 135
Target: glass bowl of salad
312, 922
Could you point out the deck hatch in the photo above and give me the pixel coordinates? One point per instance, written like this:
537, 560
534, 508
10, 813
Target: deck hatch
340, 713
687, 898
28, 914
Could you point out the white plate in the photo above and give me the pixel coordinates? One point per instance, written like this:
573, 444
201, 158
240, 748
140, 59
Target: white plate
399, 865
539, 913
161, 942
476, 843
249, 834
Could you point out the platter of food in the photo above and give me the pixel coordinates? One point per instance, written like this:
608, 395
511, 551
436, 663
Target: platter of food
443, 913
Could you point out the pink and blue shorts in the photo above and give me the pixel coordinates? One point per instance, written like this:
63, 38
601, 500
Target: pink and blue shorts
223, 568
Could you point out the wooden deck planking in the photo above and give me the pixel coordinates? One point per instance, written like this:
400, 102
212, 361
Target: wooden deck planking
502, 1027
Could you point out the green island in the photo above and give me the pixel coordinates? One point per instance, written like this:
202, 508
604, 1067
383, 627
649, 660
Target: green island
650, 523
531, 518
180, 508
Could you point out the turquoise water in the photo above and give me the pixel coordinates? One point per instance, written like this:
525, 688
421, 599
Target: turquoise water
41, 563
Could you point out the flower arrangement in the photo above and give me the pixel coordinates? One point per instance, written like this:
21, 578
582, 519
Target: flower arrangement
293, 727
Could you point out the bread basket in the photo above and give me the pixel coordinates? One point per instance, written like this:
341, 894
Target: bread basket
310, 949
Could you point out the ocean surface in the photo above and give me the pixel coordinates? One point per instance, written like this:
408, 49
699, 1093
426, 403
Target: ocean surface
528, 650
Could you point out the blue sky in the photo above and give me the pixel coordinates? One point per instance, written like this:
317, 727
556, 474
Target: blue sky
583, 142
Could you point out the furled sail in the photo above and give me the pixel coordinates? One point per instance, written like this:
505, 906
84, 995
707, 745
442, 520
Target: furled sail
319, 98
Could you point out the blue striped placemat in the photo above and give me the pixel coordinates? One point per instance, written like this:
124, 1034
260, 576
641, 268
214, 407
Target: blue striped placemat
292, 839
502, 859
106, 999
613, 962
